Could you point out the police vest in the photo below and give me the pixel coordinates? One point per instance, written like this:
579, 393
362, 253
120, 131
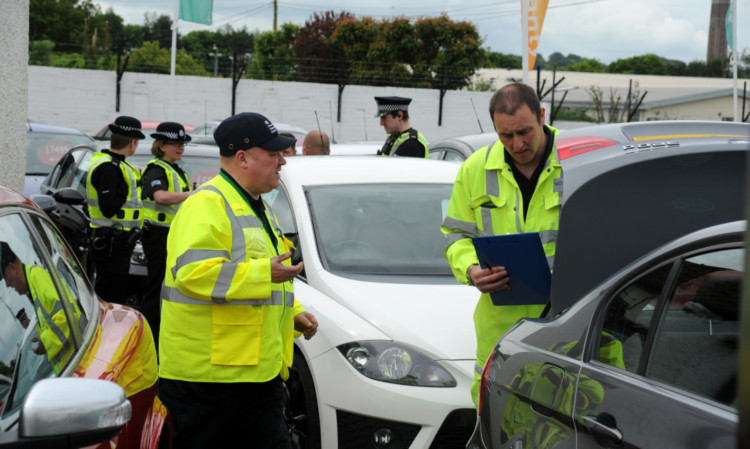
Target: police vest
52, 323
223, 320
403, 137
489, 205
130, 215
163, 214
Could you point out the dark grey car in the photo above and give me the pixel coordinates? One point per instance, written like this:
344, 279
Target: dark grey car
639, 345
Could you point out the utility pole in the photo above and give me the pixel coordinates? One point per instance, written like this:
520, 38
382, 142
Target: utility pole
275, 13
216, 55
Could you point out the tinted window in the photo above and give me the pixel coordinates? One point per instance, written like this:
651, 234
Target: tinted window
44, 150
43, 315
689, 337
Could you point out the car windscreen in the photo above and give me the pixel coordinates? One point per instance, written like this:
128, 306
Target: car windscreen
198, 168
379, 229
43, 150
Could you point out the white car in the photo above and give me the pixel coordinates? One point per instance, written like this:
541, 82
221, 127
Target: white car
392, 362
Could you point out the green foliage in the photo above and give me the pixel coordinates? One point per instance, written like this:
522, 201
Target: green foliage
151, 58
274, 56
587, 65
317, 59
158, 28
648, 64
573, 115
501, 61
69, 61
60, 21
40, 52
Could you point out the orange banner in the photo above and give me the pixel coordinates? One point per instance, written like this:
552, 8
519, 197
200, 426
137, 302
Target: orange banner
535, 9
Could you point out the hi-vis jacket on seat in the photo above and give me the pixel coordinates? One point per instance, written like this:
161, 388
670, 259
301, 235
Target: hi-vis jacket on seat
489, 205
222, 319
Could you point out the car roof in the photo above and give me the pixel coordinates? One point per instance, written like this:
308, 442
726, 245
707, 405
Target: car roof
328, 170
10, 196
37, 127
630, 188
473, 141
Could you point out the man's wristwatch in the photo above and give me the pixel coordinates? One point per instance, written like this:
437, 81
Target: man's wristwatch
468, 277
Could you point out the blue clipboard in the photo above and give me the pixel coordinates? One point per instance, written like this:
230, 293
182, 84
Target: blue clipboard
523, 256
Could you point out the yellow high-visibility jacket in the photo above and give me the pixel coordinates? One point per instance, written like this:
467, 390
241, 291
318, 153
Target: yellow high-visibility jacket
131, 214
486, 200
222, 319
163, 214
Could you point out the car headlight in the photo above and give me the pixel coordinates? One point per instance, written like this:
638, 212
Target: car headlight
388, 361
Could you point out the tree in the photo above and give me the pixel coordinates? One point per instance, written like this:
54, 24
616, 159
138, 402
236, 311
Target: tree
501, 61
648, 64
588, 65
158, 28
60, 21
318, 60
274, 58
152, 59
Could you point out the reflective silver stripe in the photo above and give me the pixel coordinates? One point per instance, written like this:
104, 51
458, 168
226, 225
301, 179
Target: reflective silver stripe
104, 222
196, 255
47, 316
453, 237
173, 294
166, 208
486, 219
549, 236
460, 225
492, 185
551, 261
223, 282
479, 369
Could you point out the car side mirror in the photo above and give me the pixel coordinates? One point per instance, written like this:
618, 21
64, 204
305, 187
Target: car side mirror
45, 202
69, 195
69, 412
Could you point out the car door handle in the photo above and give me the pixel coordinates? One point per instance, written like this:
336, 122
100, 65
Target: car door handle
598, 428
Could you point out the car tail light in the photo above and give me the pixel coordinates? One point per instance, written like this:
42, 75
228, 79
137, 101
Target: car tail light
484, 381
571, 146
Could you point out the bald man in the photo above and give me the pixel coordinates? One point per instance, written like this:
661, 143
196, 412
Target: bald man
316, 144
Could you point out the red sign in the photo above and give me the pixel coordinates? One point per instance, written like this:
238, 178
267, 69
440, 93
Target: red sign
51, 152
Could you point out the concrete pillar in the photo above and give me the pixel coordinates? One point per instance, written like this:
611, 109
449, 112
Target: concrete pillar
14, 46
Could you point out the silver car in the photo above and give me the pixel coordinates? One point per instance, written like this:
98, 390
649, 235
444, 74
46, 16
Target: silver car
639, 344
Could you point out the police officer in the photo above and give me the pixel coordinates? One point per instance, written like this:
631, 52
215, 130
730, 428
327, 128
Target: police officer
228, 312
511, 186
403, 140
115, 208
165, 187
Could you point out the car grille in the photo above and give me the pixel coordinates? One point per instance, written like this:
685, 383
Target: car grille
456, 429
356, 431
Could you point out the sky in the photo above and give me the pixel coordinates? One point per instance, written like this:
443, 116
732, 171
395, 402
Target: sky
606, 30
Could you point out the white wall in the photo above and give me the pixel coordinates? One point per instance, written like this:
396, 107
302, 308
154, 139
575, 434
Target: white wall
85, 99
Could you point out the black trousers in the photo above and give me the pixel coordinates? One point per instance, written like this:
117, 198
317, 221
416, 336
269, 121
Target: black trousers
226, 415
111, 258
155, 248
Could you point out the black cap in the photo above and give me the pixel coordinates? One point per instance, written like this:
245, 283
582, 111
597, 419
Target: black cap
247, 130
127, 126
6, 257
387, 105
171, 131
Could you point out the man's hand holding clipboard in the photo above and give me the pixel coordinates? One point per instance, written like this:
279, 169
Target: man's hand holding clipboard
513, 269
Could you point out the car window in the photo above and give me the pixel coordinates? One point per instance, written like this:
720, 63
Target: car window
44, 150
453, 156
279, 203
74, 170
688, 337
370, 229
436, 154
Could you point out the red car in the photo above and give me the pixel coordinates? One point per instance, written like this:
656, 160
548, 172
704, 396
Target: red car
52, 325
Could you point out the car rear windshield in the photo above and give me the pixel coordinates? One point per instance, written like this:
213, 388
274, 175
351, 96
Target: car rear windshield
378, 229
43, 150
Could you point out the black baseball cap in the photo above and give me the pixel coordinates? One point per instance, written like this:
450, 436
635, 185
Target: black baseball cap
247, 130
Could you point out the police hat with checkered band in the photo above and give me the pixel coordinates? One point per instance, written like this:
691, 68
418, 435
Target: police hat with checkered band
127, 126
386, 105
171, 131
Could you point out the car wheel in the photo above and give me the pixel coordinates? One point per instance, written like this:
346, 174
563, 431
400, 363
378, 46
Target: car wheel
301, 406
